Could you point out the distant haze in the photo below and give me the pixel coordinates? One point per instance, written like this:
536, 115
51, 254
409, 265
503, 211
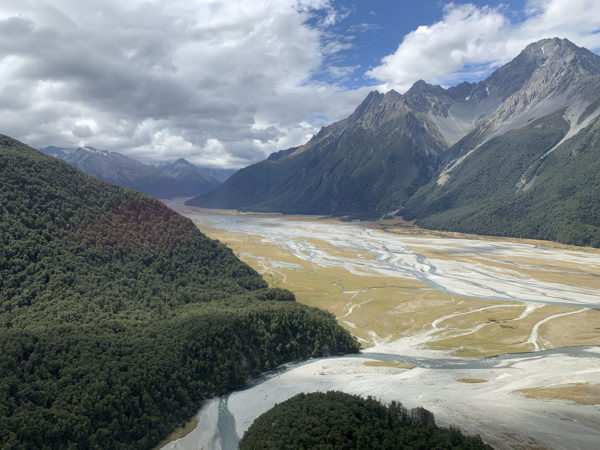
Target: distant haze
177, 178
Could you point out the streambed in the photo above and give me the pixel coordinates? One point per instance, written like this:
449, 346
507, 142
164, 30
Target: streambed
401, 256
515, 275
493, 409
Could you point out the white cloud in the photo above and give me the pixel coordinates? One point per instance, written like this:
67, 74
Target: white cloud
161, 80
227, 82
470, 41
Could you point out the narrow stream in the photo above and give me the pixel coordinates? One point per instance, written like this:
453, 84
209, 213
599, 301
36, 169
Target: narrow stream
226, 426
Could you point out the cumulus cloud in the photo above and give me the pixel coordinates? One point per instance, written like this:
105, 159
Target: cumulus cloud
225, 83
219, 82
470, 41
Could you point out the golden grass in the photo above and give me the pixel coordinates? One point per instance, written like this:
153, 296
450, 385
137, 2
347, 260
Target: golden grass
580, 393
501, 333
381, 309
179, 433
388, 364
577, 329
472, 380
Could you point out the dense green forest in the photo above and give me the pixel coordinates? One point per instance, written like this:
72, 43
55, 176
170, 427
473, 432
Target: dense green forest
335, 420
118, 317
508, 187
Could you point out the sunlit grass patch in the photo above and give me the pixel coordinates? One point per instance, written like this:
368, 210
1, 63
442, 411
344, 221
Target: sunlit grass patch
472, 380
580, 393
576, 329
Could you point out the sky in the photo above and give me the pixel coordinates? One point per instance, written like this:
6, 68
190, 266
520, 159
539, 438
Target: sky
224, 83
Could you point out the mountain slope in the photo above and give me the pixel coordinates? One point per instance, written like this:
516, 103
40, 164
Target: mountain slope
188, 180
477, 157
504, 177
219, 173
118, 317
177, 179
508, 188
370, 162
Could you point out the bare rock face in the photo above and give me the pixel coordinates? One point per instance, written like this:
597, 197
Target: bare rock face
560, 74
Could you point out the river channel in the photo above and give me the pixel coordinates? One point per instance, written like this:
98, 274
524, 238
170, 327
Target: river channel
485, 396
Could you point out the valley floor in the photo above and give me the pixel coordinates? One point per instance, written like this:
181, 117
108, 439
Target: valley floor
435, 299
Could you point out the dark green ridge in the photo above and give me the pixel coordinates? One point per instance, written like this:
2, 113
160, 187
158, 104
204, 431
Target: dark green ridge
118, 316
352, 167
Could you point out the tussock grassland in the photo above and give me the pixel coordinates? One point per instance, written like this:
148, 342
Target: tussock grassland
388, 364
472, 380
550, 270
379, 309
580, 393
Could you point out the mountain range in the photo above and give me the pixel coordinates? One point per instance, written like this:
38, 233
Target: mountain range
517, 154
174, 179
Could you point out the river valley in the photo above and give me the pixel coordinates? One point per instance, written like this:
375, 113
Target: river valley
499, 337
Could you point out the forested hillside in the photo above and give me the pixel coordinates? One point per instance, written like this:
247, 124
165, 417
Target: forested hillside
510, 187
117, 316
337, 420
364, 165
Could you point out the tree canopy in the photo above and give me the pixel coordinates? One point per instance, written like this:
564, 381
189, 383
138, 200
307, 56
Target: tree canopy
335, 420
118, 316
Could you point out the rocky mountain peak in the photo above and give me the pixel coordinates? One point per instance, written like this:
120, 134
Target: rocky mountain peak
553, 54
544, 77
179, 178
551, 48
424, 97
422, 87
370, 103
183, 163
93, 150
391, 96
546, 47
